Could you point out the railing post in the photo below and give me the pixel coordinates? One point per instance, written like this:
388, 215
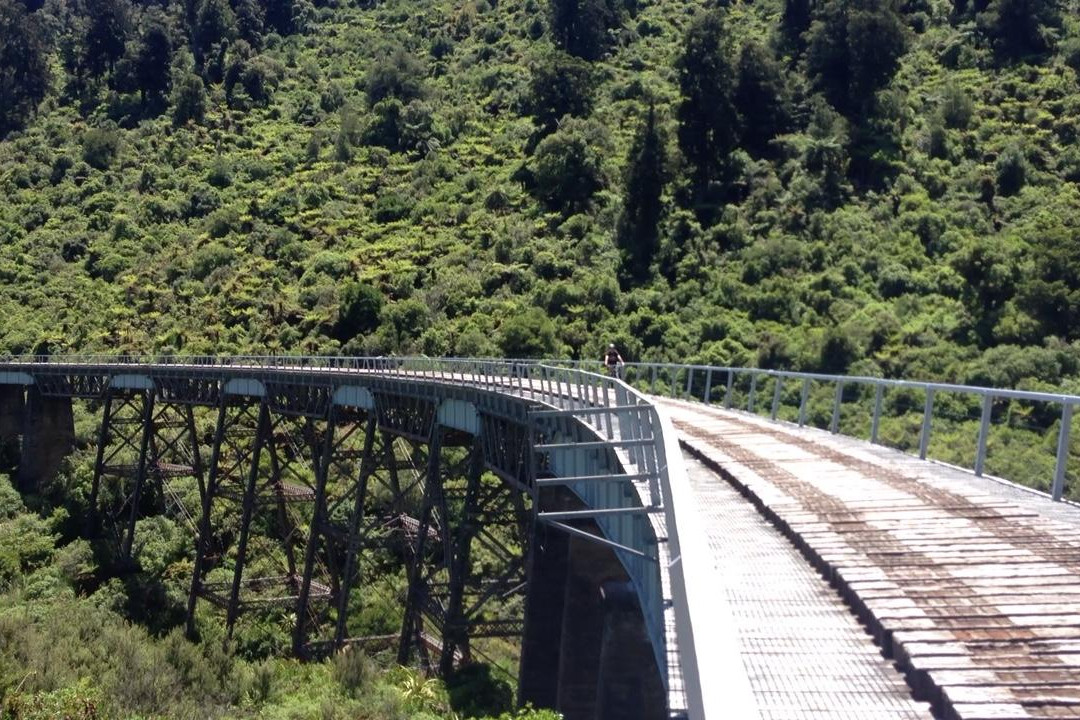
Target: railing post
984, 431
928, 414
803, 394
689, 381
879, 391
753, 392
776, 395
674, 381
652, 381
708, 385
834, 424
730, 385
1058, 488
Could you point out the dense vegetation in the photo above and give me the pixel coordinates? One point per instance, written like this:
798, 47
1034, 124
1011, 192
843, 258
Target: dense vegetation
880, 187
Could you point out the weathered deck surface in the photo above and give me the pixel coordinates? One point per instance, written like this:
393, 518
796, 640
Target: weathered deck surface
973, 587
803, 652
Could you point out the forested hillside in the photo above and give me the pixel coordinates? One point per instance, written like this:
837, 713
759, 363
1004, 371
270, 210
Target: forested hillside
846, 185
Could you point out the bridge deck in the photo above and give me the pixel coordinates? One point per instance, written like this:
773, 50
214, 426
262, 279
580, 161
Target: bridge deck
804, 653
972, 586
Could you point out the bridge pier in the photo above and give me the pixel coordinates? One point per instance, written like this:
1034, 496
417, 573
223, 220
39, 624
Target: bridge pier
48, 436
602, 667
12, 409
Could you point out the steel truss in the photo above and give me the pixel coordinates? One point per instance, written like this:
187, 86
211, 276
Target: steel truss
301, 497
144, 443
451, 591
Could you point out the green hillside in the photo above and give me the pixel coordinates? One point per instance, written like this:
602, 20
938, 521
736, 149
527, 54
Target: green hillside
402, 178
848, 186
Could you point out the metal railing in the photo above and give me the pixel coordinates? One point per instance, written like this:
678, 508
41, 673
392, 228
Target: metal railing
754, 390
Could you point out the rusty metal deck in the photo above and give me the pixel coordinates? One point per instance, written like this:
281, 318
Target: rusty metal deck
971, 586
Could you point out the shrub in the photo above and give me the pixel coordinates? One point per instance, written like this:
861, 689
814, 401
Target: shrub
100, 146
358, 310
189, 100
528, 334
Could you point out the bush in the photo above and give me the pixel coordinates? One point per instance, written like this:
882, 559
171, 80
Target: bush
569, 164
529, 334
474, 692
189, 100
358, 311
100, 146
1011, 167
352, 669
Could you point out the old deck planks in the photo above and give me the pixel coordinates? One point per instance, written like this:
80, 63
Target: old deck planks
976, 596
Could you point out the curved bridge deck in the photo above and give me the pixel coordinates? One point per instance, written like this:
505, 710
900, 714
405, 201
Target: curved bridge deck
971, 586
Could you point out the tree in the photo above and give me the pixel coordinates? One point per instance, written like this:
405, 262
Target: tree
106, 34
399, 74
250, 21
359, 310
282, 15
215, 26
560, 85
528, 334
854, 49
1011, 167
189, 100
1019, 27
24, 68
153, 58
794, 22
708, 122
569, 164
638, 232
580, 27
761, 99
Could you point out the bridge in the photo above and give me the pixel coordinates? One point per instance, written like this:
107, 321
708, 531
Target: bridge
649, 542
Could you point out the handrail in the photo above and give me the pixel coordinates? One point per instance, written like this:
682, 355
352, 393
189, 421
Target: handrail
680, 382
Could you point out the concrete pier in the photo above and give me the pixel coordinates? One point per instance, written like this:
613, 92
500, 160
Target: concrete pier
12, 409
48, 436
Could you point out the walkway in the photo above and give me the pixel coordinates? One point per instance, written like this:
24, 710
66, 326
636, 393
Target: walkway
973, 587
806, 656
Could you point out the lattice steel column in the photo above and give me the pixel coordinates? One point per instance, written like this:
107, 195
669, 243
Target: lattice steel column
122, 453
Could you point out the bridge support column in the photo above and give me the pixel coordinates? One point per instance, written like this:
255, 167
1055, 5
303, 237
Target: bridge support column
48, 436
628, 685
538, 681
12, 410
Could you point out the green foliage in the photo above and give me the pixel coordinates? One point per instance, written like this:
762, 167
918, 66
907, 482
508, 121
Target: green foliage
528, 334
560, 85
1022, 27
106, 35
153, 57
397, 75
568, 165
580, 27
474, 692
708, 124
854, 49
24, 71
639, 226
100, 146
358, 311
189, 100
761, 99
1011, 169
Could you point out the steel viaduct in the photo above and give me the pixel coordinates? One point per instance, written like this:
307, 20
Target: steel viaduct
543, 502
